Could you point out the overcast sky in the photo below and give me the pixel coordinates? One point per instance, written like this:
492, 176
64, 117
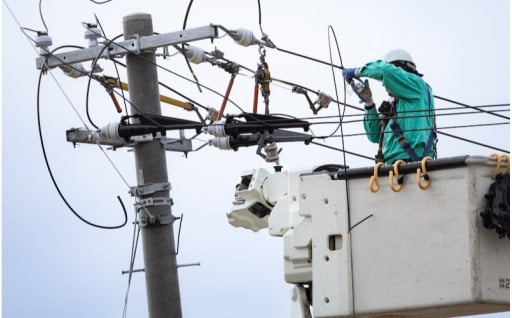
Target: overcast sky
56, 266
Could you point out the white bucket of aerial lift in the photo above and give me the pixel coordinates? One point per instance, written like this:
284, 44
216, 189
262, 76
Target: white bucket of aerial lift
418, 253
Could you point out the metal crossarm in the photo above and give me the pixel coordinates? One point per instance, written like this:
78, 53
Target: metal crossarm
134, 45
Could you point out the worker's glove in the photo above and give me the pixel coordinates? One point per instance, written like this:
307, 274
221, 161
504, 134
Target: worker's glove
349, 74
363, 91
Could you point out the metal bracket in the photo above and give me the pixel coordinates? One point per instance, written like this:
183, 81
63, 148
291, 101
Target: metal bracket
149, 219
146, 189
81, 135
133, 46
147, 202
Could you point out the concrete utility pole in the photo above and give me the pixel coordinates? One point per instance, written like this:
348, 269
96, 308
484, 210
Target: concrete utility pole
152, 190
153, 187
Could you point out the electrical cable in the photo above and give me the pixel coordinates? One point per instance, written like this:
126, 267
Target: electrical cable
360, 118
472, 141
41, 15
43, 70
133, 253
179, 235
341, 67
183, 48
469, 106
45, 157
100, 2
93, 66
412, 116
115, 65
440, 128
342, 150
259, 18
272, 79
341, 116
309, 58
184, 78
173, 90
53, 178
316, 60
203, 86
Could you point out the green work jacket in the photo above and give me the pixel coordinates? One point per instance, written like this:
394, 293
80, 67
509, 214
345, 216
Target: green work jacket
414, 111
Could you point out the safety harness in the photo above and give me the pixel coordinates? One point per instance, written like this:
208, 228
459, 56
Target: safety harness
390, 113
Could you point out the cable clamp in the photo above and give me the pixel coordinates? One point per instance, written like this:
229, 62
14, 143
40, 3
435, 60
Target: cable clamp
147, 189
147, 218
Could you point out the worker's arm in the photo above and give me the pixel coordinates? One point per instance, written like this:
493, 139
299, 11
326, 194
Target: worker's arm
372, 123
397, 81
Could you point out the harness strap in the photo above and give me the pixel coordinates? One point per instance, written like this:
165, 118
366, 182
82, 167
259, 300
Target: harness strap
404, 143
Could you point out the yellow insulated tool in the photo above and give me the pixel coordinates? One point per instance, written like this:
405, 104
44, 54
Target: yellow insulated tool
164, 99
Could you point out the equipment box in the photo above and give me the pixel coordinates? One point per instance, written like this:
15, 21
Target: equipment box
426, 253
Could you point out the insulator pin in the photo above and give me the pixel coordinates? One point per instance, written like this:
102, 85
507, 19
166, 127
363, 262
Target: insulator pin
73, 70
43, 41
195, 55
92, 34
111, 131
221, 143
244, 37
217, 128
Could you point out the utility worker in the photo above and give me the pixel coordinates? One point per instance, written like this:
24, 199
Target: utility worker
404, 127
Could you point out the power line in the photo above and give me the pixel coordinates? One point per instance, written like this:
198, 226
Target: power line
53, 178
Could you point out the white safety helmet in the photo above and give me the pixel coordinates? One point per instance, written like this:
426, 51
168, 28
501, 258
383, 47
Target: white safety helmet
398, 55
402, 58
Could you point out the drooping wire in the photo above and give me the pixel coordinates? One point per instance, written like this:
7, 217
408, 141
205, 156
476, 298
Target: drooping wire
183, 48
53, 178
115, 65
41, 15
93, 66
100, 2
133, 253
341, 115
259, 18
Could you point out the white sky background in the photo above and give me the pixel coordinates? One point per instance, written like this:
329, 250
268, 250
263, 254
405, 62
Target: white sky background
56, 266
